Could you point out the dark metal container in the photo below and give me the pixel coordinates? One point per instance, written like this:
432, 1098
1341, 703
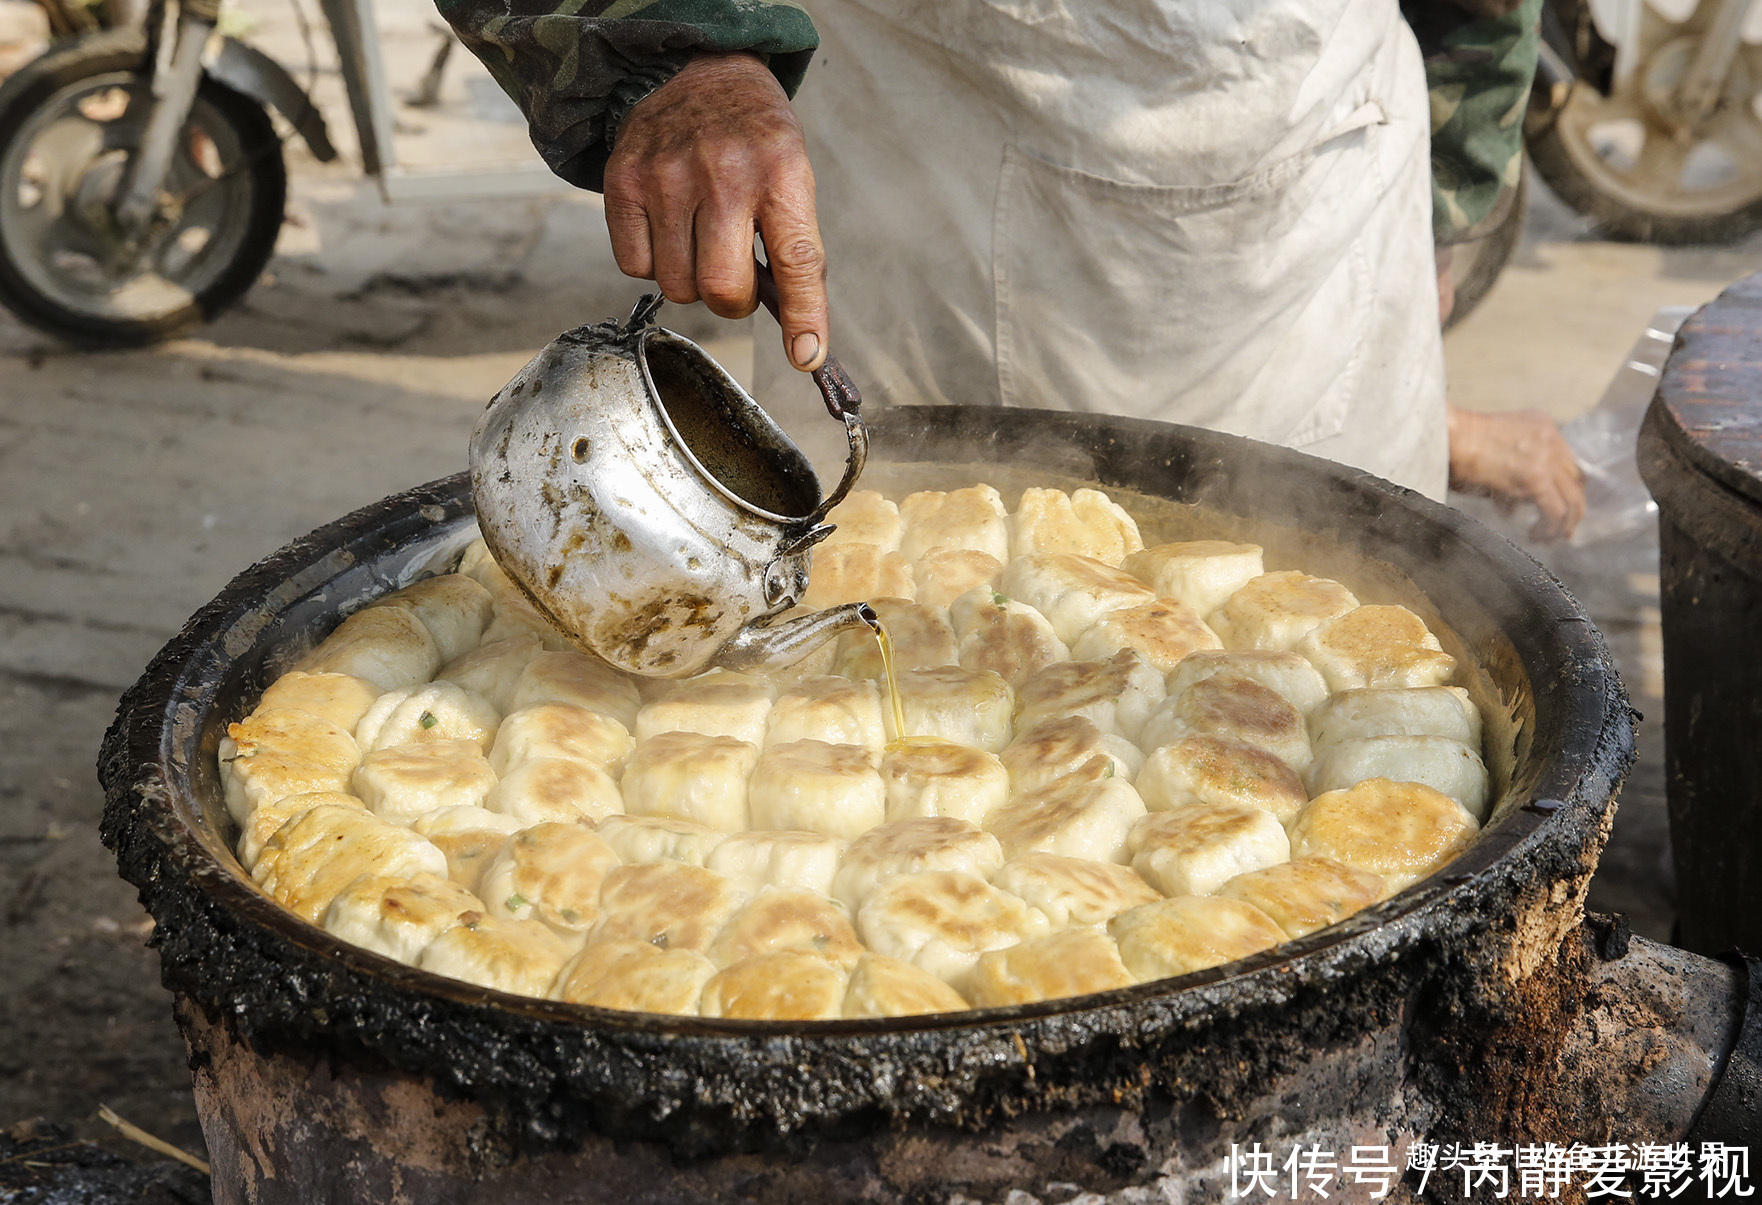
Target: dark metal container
1700, 453
326, 1073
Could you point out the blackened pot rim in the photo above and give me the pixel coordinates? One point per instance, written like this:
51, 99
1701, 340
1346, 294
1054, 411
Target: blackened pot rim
282, 979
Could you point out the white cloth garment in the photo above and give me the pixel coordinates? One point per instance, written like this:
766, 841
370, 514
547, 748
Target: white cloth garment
1213, 212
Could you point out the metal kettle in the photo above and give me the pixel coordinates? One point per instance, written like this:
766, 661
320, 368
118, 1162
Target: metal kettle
651, 509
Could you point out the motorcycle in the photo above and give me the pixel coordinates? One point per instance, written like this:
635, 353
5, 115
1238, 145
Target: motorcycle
1647, 116
142, 182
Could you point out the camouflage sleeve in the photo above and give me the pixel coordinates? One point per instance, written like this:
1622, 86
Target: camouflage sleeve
577, 67
1479, 71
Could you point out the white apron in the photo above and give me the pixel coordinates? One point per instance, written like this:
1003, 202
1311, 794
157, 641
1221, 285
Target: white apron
1214, 212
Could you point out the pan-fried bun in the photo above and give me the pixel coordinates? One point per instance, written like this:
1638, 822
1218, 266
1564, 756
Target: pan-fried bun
911, 846
942, 920
551, 788
944, 574
386, 645
967, 707
1286, 674
784, 986
433, 711
1438, 762
826, 708
716, 704
636, 977
454, 608
1073, 963
1233, 709
493, 670
1189, 933
406, 782
1377, 646
398, 917
866, 517
1163, 632
777, 919
1072, 591
1212, 769
886, 987
580, 680
550, 873
1004, 635
667, 904
1081, 815
1306, 894
1277, 610
1074, 891
340, 698
968, 520
521, 957
939, 778
314, 856
691, 776
1197, 849
1402, 831
817, 787
845, 573
1051, 749
778, 858
1086, 522
561, 730
1201, 573
281, 752
1443, 711
1117, 695
642, 840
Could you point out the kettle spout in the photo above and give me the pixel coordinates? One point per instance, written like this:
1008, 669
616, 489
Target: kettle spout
780, 644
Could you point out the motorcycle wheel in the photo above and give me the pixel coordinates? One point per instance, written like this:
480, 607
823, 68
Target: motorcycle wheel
69, 124
1477, 265
1625, 156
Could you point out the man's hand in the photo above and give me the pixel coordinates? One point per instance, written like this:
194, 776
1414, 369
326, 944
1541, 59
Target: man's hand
1518, 457
702, 162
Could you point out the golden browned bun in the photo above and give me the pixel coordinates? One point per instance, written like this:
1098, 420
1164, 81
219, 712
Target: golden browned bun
1306, 894
636, 977
1072, 963
1074, 891
865, 517
843, 573
315, 855
1377, 646
579, 680
1402, 831
971, 519
1190, 933
1212, 769
1086, 522
939, 778
1053, 748
942, 920
886, 987
340, 698
691, 776
910, 846
386, 645
1197, 849
719, 703
1163, 632
1082, 815
1072, 591
1276, 610
818, 788
433, 711
521, 957
406, 782
836, 710
785, 986
1117, 695
1200, 573
667, 904
944, 574
398, 917
550, 873
921, 635
1003, 635
281, 752
779, 919
964, 706
1234, 709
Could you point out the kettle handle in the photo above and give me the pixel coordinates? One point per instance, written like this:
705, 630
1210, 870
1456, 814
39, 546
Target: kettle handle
843, 401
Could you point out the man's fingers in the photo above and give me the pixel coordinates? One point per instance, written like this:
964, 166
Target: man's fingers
725, 277
792, 243
627, 221
675, 250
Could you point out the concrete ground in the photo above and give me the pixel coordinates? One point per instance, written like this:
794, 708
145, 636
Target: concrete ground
134, 484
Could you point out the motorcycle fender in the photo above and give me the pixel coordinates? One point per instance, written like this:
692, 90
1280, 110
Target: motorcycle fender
267, 82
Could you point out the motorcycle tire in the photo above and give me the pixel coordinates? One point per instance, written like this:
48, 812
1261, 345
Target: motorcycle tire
248, 177
1562, 162
1477, 265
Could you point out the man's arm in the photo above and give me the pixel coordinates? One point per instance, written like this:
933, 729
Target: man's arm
679, 111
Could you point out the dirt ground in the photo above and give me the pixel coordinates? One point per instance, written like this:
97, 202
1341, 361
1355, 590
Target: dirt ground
134, 484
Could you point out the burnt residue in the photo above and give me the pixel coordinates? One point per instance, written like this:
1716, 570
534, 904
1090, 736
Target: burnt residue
553, 1077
